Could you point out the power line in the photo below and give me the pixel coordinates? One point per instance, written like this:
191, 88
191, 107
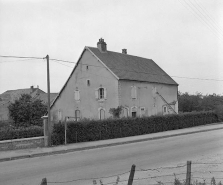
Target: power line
200, 19
4, 56
209, 16
62, 64
66, 61
62, 60
18, 60
205, 18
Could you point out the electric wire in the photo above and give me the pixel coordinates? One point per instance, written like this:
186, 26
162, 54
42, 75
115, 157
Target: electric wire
56, 60
210, 22
200, 19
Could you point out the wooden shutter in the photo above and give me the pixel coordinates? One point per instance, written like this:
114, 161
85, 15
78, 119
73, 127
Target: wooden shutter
96, 94
133, 92
76, 95
105, 93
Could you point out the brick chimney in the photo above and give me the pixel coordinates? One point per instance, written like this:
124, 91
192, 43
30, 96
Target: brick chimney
32, 88
124, 51
102, 46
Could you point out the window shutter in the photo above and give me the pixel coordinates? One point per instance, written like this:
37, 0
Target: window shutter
78, 95
133, 92
96, 94
154, 91
105, 93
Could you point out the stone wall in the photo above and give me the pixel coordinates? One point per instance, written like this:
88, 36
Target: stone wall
14, 144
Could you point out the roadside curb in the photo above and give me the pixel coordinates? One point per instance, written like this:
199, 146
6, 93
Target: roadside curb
100, 145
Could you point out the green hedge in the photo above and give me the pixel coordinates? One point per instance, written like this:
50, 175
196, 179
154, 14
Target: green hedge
7, 133
116, 128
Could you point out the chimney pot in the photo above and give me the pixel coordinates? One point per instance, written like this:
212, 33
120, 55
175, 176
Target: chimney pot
124, 51
102, 46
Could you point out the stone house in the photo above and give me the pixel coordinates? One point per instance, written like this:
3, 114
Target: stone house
11, 95
103, 79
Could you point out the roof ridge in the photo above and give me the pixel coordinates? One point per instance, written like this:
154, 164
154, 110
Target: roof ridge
121, 53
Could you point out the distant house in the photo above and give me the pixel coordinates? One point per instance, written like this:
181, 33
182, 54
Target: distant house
105, 79
11, 95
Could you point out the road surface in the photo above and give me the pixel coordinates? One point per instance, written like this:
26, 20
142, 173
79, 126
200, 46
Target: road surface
109, 161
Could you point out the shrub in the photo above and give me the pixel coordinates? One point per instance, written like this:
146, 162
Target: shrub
93, 130
7, 133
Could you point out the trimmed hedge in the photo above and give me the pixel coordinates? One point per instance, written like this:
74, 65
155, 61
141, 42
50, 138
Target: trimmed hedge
93, 130
7, 133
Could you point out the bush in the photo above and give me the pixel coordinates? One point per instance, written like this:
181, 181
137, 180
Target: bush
93, 130
7, 133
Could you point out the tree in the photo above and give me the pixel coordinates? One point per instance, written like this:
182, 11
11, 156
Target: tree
199, 102
27, 111
116, 112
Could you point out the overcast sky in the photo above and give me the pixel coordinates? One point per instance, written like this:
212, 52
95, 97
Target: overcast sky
184, 37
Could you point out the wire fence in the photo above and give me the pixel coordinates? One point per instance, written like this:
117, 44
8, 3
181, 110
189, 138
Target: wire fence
191, 173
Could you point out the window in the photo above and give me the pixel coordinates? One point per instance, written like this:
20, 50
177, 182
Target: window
100, 93
86, 67
77, 95
133, 92
101, 113
88, 83
125, 112
134, 112
142, 111
165, 111
77, 115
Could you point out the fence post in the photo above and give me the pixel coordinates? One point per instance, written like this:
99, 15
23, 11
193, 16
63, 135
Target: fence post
46, 130
131, 176
44, 181
188, 176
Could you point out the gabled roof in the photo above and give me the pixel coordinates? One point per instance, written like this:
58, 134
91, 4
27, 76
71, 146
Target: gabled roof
126, 67
12, 95
129, 67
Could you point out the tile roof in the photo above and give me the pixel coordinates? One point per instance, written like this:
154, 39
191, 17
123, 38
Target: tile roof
44, 97
129, 67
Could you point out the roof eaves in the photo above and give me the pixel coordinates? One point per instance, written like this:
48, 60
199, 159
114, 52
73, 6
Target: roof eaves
67, 79
102, 63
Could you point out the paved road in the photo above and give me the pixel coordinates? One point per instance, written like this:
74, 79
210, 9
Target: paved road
111, 160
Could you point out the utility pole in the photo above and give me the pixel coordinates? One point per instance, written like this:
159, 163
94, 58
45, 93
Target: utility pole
48, 92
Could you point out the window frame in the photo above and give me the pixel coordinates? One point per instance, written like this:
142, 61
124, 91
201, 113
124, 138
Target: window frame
134, 109
99, 113
101, 93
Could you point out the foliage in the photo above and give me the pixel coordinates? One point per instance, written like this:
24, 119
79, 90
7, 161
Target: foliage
198, 102
93, 130
27, 111
11, 132
116, 112
5, 123
219, 112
